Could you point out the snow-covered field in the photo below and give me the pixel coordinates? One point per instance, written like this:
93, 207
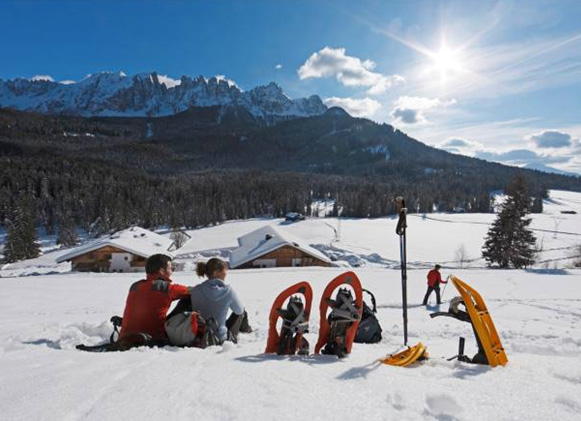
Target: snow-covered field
44, 377
537, 313
432, 238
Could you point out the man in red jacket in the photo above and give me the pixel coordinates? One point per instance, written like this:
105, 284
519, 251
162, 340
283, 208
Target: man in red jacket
149, 300
434, 281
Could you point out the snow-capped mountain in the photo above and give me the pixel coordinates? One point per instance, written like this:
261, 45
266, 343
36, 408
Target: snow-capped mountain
149, 94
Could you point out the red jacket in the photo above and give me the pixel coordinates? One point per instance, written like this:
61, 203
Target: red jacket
434, 278
147, 304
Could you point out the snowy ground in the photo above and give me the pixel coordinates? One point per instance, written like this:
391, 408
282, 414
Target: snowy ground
432, 238
43, 377
537, 313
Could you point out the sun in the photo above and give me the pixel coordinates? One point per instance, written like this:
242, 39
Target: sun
445, 62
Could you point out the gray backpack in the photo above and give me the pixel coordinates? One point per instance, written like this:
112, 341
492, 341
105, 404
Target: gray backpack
188, 328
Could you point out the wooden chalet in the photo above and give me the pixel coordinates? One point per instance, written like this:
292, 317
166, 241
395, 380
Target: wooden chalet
269, 247
124, 251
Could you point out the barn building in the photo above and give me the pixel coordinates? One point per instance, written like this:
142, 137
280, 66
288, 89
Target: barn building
269, 247
124, 251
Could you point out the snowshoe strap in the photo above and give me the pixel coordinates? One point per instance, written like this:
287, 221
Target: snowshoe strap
343, 308
297, 324
293, 318
372, 300
117, 322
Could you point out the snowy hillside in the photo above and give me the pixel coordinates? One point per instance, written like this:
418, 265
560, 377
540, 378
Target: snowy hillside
149, 94
536, 312
432, 238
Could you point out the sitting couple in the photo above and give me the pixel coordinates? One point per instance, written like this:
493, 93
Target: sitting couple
199, 318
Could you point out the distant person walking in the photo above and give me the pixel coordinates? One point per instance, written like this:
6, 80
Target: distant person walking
434, 281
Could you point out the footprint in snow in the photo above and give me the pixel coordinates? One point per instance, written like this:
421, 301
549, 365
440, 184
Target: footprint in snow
443, 407
571, 404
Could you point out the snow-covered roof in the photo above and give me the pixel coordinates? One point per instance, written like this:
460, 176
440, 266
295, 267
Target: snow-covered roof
266, 239
136, 240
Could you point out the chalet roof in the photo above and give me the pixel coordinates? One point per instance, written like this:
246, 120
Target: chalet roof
135, 240
266, 239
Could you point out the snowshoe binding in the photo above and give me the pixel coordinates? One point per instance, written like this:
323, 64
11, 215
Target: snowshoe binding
295, 321
490, 350
337, 330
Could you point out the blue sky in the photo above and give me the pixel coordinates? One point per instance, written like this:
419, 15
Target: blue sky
497, 80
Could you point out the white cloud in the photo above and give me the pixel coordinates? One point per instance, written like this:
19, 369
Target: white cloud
499, 136
551, 139
168, 81
521, 156
349, 70
365, 107
67, 82
461, 144
456, 143
278, 66
42, 77
411, 110
408, 116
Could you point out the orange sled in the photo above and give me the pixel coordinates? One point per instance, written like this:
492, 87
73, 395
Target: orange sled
295, 321
337, 331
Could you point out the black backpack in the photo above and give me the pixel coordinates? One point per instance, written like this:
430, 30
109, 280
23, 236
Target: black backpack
369, 330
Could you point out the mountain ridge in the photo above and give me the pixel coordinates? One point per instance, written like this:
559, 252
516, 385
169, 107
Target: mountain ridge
115, 94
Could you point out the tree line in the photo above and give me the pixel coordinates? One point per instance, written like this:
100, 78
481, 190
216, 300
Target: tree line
60, 194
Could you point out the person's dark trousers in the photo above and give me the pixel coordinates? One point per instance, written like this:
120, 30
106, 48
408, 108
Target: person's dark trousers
429, 292
185, 304
237, 324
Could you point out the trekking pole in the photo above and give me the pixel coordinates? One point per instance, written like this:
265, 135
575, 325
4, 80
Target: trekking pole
444, 289
401, 231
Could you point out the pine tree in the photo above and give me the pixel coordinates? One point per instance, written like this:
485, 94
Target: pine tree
509, 241
21, 236
335, 212
67, 231
537, 206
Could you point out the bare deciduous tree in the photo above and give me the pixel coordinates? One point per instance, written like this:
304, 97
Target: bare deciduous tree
577, 256
462, 255
178, 238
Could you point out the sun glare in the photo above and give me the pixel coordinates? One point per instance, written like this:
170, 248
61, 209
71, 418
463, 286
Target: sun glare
445, 62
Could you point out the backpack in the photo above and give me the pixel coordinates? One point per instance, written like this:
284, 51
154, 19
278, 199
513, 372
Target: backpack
369, 330
189, 329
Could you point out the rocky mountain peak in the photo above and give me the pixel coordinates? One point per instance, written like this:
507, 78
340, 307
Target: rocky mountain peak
149, 94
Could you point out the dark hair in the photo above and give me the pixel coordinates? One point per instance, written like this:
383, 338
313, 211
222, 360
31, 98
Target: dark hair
156, 262
210, 267
438, 266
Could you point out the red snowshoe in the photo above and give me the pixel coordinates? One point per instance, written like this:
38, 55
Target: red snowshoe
337, 330
295, 321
